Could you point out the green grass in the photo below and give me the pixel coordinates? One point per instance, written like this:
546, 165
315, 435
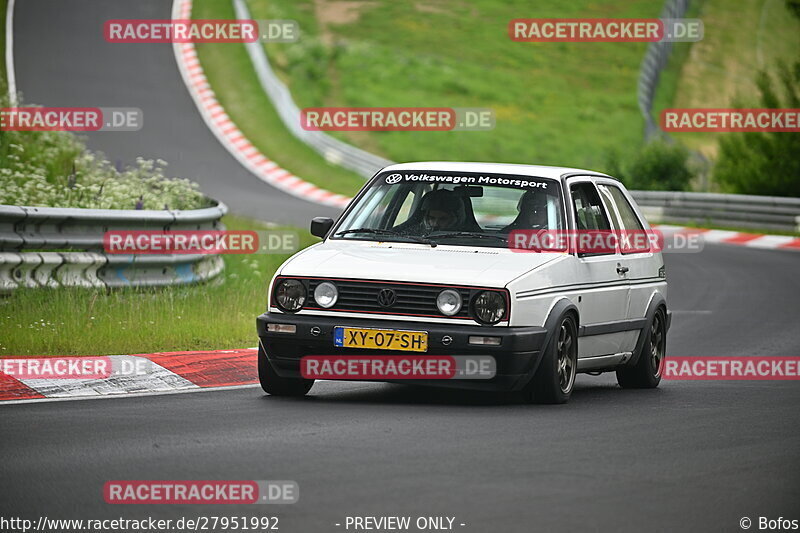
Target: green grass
555, 103
721, 69
230, 73
217, 315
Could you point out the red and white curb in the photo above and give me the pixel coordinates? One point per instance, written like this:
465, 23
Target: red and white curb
229, 135
166, 373
751, 240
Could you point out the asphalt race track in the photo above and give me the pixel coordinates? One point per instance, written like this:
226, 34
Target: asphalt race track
62, 59
690, 455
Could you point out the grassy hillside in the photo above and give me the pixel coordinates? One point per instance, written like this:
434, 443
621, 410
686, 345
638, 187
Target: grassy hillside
741, 38
555, 103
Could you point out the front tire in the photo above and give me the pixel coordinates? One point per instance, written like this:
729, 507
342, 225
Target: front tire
555, 377
275, 385
646, 373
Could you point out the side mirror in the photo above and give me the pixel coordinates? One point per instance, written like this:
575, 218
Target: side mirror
320, 226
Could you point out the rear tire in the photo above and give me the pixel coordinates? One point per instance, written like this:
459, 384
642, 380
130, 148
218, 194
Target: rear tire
555, 377
276, 385
646, 373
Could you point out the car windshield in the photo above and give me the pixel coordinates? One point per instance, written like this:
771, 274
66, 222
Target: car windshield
462, 209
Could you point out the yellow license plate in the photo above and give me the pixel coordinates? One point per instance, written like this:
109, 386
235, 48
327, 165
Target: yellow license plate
381, 339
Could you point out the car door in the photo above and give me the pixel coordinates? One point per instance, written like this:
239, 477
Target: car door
637, 254
603, 294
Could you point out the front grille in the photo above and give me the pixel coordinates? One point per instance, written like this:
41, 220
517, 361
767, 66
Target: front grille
362, 296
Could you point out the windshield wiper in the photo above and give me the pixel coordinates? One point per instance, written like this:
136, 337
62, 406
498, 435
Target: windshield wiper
468, 234
373, 231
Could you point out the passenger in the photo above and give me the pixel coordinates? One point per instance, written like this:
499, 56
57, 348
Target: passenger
532, 207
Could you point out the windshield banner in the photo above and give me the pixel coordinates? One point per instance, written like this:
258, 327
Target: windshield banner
522, 182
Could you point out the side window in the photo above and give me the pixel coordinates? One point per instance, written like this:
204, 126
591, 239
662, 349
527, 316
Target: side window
634, 240
383, 207
405, 208
404, 205
629, 219
612, 212
589, 212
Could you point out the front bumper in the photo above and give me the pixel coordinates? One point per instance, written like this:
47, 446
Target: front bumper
517, 356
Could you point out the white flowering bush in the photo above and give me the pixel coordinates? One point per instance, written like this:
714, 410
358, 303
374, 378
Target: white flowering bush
54, 169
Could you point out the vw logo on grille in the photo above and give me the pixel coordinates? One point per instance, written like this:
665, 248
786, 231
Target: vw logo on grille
387, 297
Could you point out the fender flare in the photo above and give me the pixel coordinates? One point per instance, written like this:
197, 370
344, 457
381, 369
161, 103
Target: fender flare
557, 312
656, 301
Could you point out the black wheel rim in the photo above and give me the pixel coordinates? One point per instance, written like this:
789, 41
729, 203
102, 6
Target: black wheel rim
566, 348
657, 345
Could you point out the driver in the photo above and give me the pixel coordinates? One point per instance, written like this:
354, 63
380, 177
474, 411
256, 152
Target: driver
532, 207
441, 210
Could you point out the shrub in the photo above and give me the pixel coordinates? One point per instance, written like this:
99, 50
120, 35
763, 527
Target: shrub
658, 166
54, 169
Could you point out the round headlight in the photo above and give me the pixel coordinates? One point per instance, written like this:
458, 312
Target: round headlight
326, 294
490, 307
290, 295
449, 302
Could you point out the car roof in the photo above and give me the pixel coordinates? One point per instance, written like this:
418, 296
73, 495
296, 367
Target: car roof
539, 171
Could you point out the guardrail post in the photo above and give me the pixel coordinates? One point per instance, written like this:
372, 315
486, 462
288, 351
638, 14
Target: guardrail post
9, 261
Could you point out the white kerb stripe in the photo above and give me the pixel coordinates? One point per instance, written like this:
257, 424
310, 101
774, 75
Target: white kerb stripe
155, 378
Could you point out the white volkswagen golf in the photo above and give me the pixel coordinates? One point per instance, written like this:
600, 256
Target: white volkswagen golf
435, 259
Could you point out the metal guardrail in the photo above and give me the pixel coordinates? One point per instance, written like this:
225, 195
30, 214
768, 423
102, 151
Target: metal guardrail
63, 247
655, 59
333, 150
715, 209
